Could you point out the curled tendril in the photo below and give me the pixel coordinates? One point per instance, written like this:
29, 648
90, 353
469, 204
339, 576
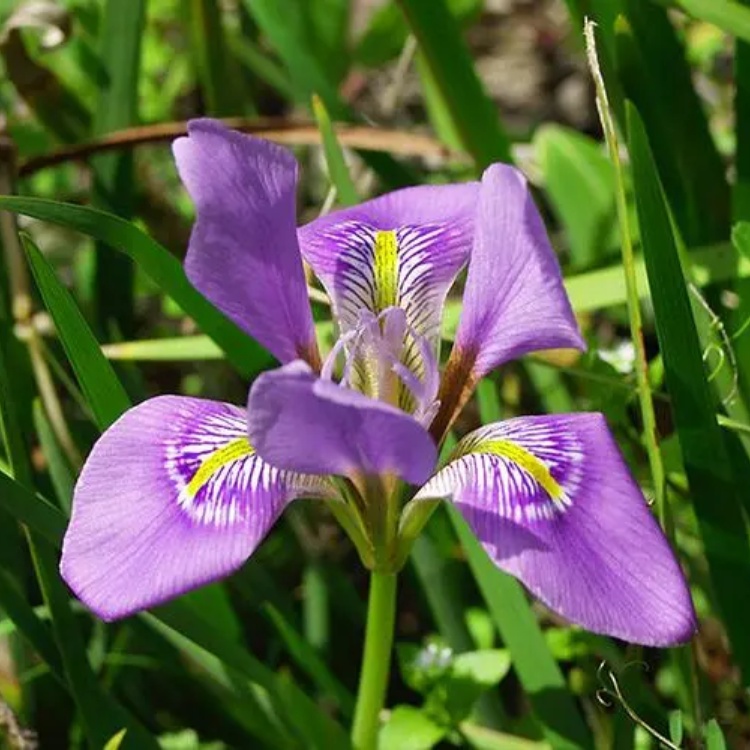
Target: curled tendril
724, 348
610, 694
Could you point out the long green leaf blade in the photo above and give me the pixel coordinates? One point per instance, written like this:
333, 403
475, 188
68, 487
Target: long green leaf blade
119, 55
164, 269
104, 393
716, 493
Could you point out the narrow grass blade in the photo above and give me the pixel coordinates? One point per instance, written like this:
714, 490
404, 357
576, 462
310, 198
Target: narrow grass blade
337, 167
119, 54
104, 393
474, 113
209, 47
716, 492
164, 269
307, 658
29, 625
102, 716
741, 188
182, 349
540, 676
31, 510
319, 730
60, 471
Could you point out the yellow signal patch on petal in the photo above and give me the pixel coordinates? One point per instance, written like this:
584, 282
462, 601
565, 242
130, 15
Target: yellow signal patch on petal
385, 264
232, 451
527, 461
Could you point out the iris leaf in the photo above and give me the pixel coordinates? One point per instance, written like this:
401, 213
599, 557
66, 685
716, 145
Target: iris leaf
162, 267
716, 492
113, 190
104, 393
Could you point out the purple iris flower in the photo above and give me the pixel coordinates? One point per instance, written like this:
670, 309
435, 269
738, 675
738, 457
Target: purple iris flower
181, 491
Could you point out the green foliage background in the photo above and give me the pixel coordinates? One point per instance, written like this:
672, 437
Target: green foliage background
96, 313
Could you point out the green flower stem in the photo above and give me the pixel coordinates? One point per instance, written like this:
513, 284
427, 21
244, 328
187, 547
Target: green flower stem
373, 678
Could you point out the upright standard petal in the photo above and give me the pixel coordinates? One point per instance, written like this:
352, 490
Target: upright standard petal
553, 503
243, 252
171, 497
301, 423
402, 249
514, 301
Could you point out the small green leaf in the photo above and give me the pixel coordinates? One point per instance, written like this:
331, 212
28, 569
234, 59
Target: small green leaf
116, 740
485, 668
676, 727
408, 728
714, 736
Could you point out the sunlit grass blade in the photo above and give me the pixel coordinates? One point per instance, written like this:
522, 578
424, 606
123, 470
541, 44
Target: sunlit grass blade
474, 113
119, 54
164, 269
100, 385
537, 670
728, 15
337, 167
578, 180
716, 493
184, 348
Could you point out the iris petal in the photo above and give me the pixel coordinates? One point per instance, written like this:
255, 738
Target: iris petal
402, 249
553, 504
243, 252
172, 496
305, 424
514, 300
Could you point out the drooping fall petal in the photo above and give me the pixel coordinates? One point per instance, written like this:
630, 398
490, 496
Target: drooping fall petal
514, 300
553, 503
305, 424
402, 249
243, 252
171, 497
